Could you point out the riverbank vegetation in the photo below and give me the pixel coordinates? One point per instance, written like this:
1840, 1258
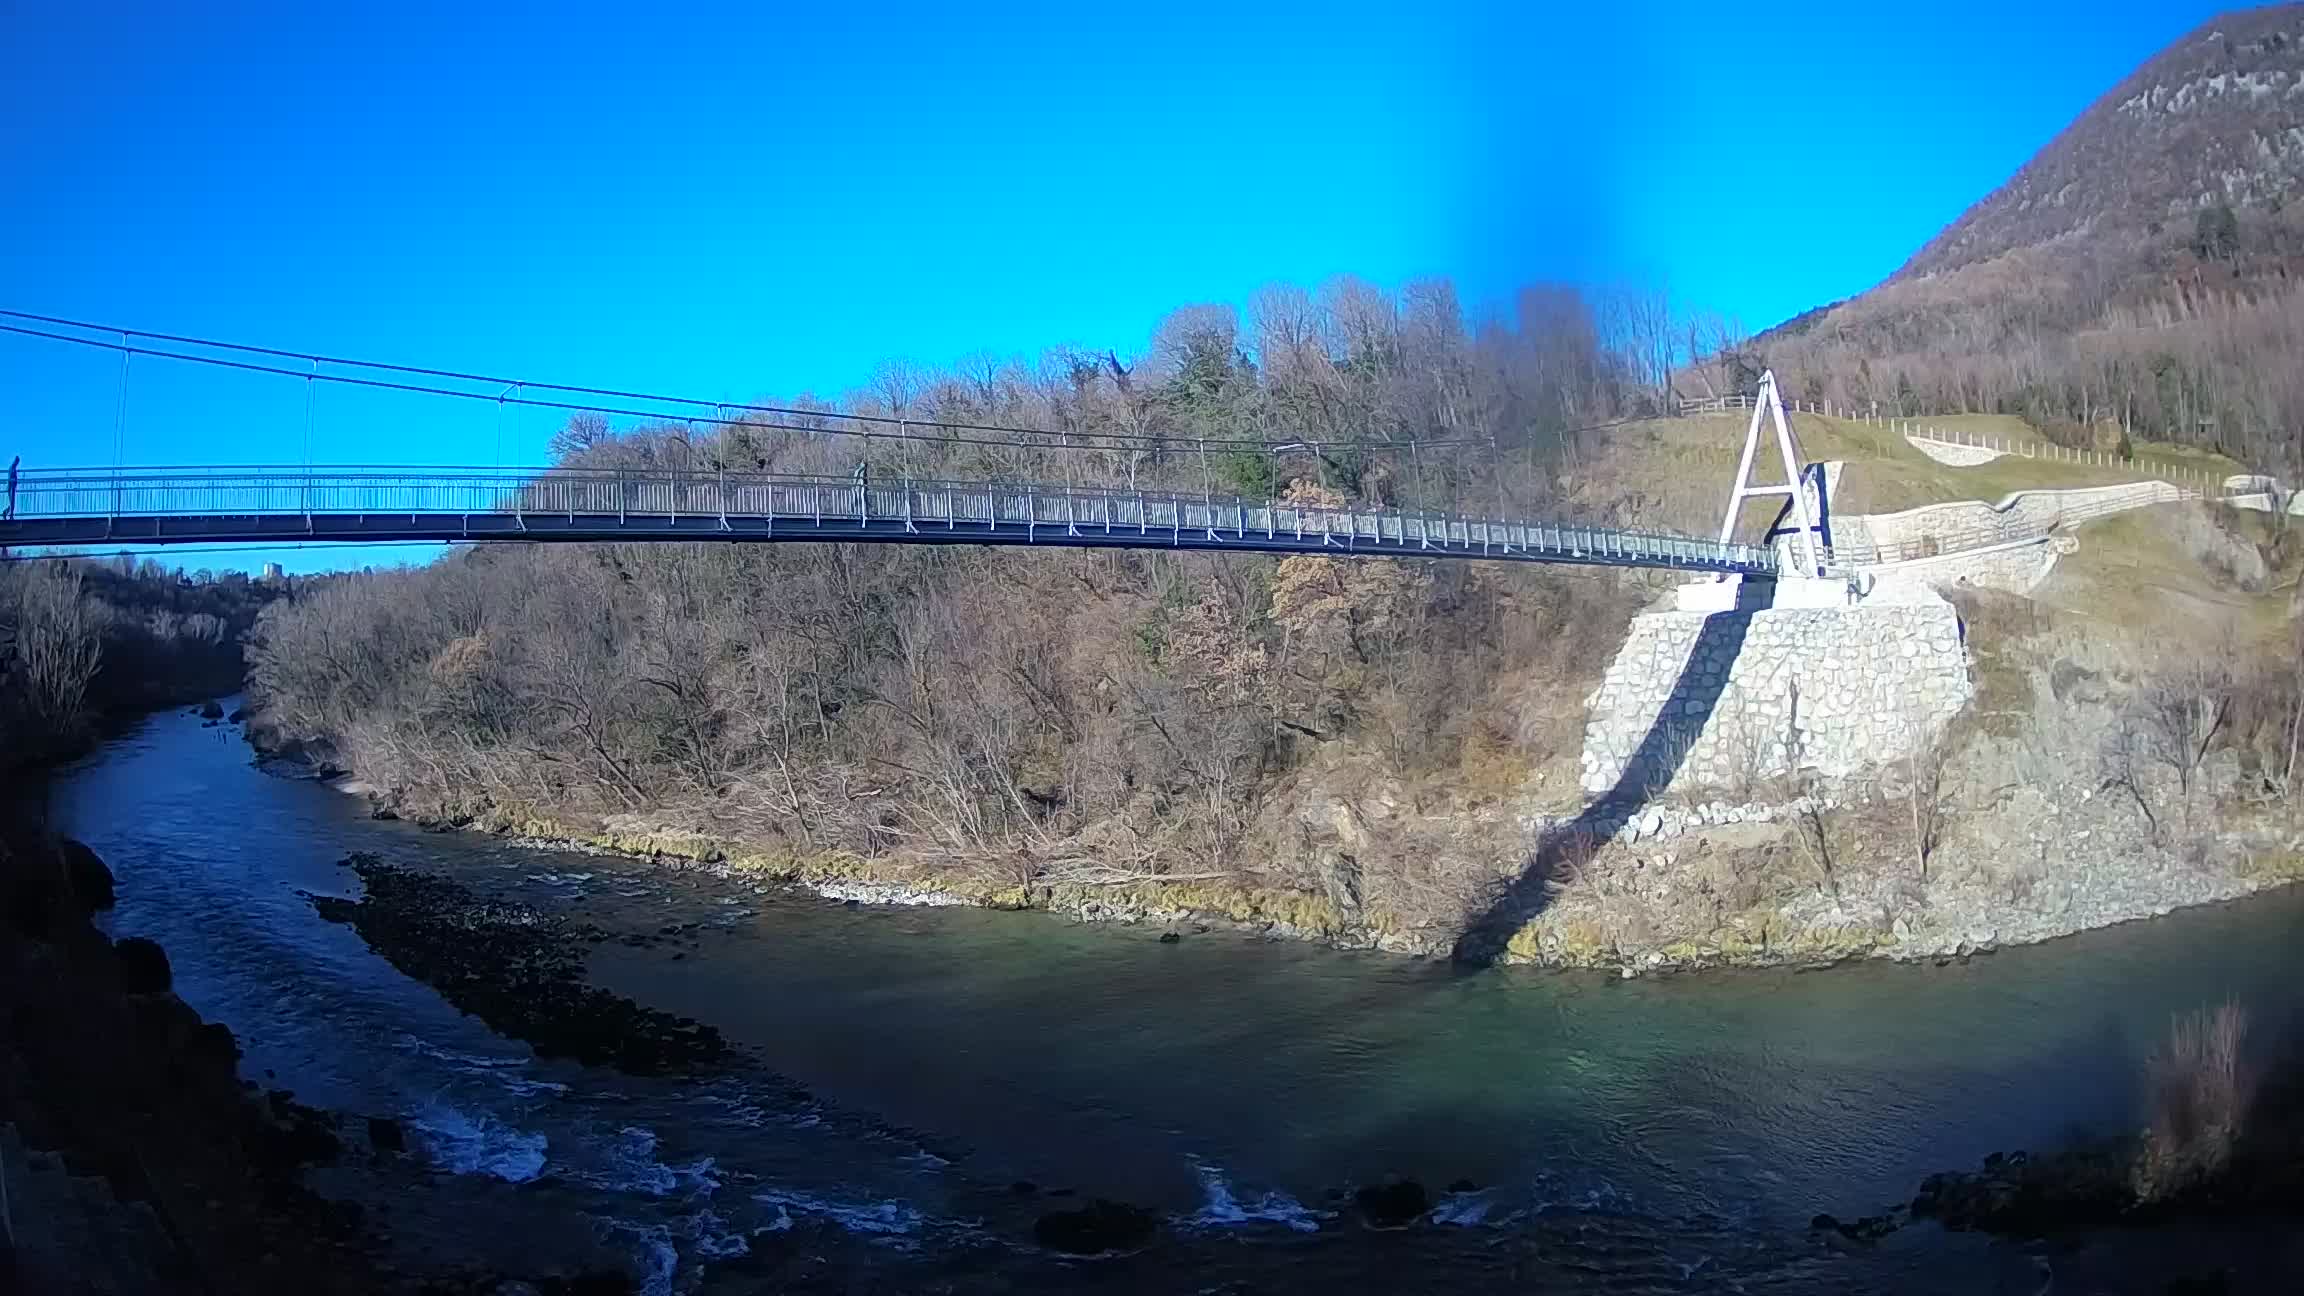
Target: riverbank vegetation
80, 639
2222, 1137
2202, 1087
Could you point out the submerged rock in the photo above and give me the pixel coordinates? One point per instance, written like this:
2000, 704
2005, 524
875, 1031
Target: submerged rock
386, 1134
297, 1136
1871, 1228
1100, 1226
2084, 1187
1394, 1204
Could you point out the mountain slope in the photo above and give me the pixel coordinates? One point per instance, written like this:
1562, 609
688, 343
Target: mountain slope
2142, 276
2217, 117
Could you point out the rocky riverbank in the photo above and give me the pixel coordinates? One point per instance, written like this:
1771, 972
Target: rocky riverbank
2214, 1206
1724, 885
137, 1160
1181, 907
1660, 889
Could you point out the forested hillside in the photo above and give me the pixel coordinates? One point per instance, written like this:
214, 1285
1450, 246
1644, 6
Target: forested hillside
79, 639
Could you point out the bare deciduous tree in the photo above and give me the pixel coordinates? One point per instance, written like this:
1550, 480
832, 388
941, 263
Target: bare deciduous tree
2183, 711
1926, 797
56, 643
2125, 762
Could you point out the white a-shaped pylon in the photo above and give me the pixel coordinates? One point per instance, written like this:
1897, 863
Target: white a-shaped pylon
1769, 405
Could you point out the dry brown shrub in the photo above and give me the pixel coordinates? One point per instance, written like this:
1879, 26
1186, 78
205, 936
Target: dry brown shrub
2199, 1089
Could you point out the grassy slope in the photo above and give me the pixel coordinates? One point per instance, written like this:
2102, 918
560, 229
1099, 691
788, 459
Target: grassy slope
2133, 572
1674, 473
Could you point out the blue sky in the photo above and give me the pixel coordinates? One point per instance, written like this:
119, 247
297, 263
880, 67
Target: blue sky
747, 200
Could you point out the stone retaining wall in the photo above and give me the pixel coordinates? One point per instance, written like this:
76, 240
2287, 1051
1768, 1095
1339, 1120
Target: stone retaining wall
1732, 700
1880, 539
2017, 569
2021, 513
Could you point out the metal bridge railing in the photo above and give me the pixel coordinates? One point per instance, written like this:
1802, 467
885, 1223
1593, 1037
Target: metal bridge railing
639, 499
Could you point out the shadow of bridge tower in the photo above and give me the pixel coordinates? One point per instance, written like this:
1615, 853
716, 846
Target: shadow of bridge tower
1650, 769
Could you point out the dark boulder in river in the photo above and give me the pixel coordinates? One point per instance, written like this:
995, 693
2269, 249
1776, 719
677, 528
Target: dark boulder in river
1395, 1204
91, 881
387, 1135
2084, 1186
143, 966
1095, 1228
51, 887
211, 711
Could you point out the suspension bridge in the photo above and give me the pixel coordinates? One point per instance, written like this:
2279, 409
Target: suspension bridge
290, 504
124, 505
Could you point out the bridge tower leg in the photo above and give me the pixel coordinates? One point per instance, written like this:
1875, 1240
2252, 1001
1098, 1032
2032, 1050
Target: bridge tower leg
1770, 406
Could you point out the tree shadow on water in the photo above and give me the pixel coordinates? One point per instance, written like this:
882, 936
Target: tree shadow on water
1703, 678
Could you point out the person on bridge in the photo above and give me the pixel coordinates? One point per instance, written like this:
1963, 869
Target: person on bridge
13, 464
